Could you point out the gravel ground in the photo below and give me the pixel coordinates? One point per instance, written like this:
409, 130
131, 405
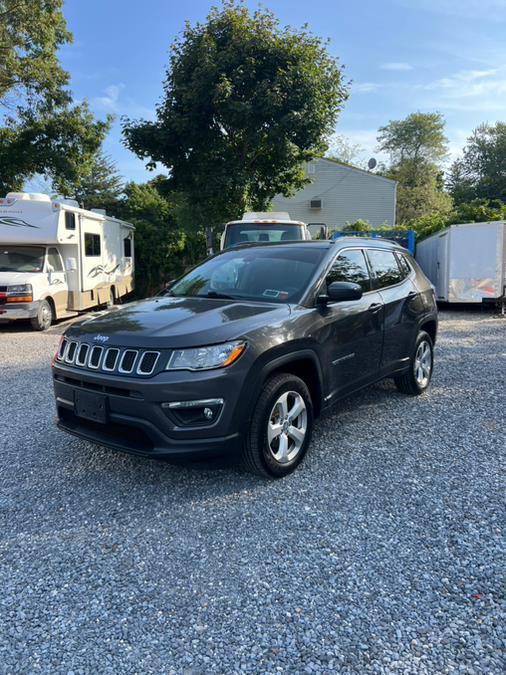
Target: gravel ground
383, 553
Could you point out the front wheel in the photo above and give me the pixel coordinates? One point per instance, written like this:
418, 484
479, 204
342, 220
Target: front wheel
281, 426
44, 317
417, 379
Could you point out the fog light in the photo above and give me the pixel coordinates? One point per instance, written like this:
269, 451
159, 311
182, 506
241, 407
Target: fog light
193, 413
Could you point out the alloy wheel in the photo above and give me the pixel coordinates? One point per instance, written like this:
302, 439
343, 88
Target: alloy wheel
423, 364
287, 427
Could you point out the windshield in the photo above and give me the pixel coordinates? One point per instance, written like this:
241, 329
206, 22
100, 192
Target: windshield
259, 233
22, 258
270, 274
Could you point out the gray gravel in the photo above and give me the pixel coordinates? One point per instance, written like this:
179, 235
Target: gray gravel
383, 553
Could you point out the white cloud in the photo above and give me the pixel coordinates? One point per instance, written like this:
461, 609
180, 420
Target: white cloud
396, 65
109, 102
364, 87
114, 101
470, 90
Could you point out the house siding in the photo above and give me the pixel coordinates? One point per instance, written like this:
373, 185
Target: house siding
347, 195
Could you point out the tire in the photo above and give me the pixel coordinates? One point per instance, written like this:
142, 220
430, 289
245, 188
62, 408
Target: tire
44, 318
417, 379
274, 447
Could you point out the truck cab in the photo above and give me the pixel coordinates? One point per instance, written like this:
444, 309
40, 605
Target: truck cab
259, 228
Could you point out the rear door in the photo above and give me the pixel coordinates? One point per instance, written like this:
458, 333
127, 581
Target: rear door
354, 329
402, 306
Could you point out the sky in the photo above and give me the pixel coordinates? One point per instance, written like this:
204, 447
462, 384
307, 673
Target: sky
399, 55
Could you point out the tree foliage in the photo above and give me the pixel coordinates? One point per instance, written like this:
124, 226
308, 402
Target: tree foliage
101, 187
481, 171
245, 103
58, 144
162, 248
31, 31
41, 132
417, 145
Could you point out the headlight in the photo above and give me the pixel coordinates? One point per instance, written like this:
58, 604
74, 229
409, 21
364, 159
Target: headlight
19, 293
23, 289
206, 358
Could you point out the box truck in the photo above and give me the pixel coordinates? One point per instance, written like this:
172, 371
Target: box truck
57, 259
466, 262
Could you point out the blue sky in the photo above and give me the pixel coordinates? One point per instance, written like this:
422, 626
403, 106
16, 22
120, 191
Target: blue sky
401, 55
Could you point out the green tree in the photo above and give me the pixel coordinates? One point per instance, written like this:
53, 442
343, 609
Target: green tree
31, 31
246, 102
417, 146
481, 171
101, 187
162, 248
59, 144
41, 132
341, 149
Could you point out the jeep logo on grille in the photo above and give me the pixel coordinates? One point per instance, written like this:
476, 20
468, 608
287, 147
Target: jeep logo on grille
100, 338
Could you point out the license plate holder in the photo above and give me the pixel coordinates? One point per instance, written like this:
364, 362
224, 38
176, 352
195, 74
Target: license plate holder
90, 406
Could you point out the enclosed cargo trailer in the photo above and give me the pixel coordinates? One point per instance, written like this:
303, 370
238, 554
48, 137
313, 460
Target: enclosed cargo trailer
466, 262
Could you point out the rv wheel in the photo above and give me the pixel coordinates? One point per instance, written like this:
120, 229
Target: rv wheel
44, 317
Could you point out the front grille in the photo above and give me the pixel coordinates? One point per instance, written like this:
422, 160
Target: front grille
95, 356
110, 358
147, 363
113, 360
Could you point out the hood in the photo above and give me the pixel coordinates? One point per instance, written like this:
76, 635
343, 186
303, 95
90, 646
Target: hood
179, 322
10, 278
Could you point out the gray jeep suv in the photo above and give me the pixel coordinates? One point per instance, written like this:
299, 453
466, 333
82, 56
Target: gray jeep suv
244, 351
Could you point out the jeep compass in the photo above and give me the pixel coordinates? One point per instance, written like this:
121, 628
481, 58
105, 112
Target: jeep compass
244, 351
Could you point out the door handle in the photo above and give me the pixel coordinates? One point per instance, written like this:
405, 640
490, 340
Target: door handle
412, 294
375, 307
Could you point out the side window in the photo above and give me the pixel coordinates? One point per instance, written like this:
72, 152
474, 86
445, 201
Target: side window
91, 245
385, 269
53, 258
404, 265
127, 247
70, 220
350, 266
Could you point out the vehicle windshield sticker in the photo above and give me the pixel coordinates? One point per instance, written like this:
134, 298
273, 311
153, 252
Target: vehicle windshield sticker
272, 293
15, 222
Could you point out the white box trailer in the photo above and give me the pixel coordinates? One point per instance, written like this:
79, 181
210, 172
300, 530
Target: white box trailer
57, 259
466, 262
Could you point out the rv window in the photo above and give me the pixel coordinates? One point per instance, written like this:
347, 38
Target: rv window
127, 247
53, 258
70, 220
91, 245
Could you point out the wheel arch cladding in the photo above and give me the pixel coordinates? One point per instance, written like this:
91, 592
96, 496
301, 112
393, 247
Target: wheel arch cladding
307, 368
430, 327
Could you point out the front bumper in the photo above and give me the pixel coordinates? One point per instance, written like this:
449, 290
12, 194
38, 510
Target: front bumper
22, 310
136, 421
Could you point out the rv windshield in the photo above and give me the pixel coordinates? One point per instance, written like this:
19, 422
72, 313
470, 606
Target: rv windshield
22, 258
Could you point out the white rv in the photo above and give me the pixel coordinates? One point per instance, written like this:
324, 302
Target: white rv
261, 228
57, 259
467, 262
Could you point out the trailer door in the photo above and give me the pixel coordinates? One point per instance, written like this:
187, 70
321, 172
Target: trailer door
441, 282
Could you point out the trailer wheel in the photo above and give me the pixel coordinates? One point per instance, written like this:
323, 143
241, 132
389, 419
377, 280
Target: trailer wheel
44, 318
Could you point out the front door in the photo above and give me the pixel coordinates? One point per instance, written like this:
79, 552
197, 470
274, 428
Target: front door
354, 329
57, 281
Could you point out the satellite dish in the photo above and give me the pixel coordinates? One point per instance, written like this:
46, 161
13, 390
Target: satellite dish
371, 163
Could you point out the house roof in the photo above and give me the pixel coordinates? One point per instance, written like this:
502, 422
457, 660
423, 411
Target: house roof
354, 168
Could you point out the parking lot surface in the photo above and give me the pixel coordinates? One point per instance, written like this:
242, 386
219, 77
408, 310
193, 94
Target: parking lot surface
383, 553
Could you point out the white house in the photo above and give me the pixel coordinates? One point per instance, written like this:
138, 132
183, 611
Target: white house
340, 194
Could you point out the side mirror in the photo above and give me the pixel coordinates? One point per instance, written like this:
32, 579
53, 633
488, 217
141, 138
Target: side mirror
341, 291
